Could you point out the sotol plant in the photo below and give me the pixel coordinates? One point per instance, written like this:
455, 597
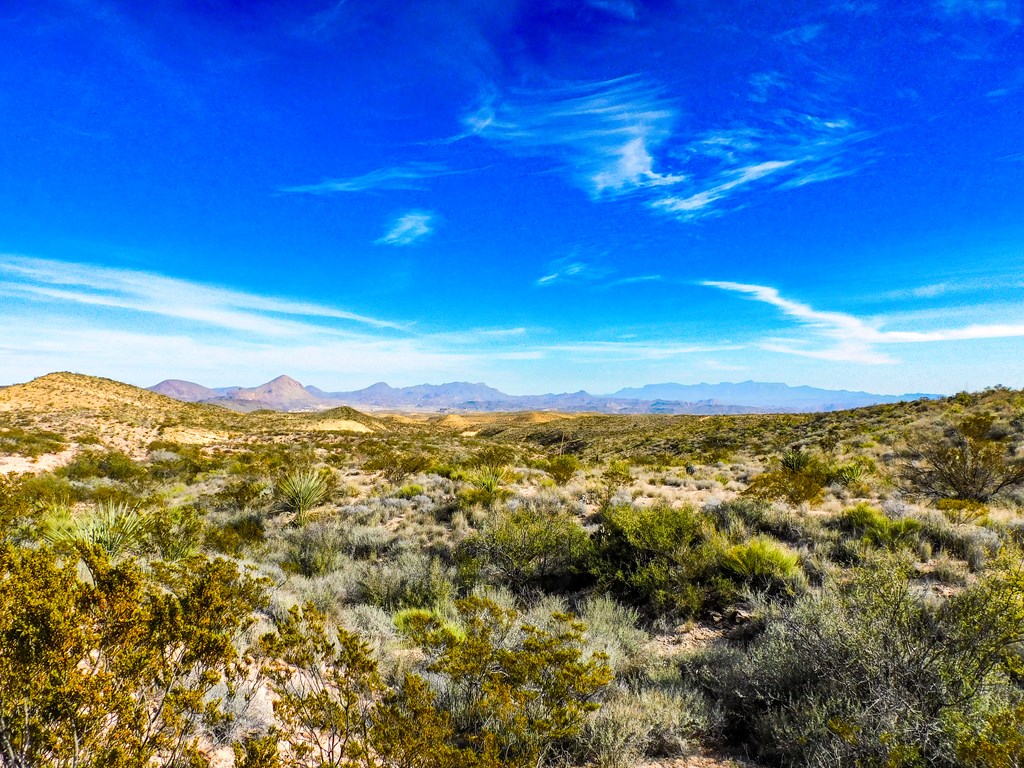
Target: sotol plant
119, 528
303, 489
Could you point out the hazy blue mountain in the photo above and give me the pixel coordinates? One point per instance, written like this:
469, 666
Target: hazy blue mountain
185, 391
287, 394
763, 395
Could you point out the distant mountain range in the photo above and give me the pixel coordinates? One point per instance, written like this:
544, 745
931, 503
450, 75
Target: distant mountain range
286, 394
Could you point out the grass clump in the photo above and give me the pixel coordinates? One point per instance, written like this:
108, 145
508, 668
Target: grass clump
871, 525
766, 566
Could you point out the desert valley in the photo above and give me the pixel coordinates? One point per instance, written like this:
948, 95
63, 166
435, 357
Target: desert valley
334, 587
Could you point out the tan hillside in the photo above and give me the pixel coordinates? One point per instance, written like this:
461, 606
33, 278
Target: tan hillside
90, 409
63, 392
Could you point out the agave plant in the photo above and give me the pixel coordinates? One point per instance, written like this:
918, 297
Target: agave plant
117, 527
301, 490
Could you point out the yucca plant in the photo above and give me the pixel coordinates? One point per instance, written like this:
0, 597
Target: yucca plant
119, 528
303, 489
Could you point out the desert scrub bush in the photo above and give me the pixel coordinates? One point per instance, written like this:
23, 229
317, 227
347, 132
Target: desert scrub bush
823, 685
511, 693
962, 510
368, 541
660, 558
301, 490
314, 550
971, 460
765, 566
487, 486
112, 465
173, 461
523, 686
395, 466
852, 475
409, 491
535, 545
243, 493
413, 579
562, 468
22, 442
634, 724
174, 534
236, 535
761, 516
115, 669
614, 630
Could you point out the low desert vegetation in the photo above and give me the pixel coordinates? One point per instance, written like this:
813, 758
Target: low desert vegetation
191, 587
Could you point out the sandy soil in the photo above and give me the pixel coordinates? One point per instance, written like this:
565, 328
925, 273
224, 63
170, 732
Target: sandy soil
44, 463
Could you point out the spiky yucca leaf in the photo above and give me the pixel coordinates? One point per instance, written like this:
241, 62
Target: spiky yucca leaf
302, 489
119, 528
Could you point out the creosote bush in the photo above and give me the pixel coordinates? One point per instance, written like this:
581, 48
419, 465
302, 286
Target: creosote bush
535, 545
970, 461
118, 669
501, 693
870, 673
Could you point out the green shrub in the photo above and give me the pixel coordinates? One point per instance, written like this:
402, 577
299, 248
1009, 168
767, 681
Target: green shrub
412, 580
236, 535
534, 546
117, 529
526, 687
173, 461
869, 673
175, 534
962, 510
486, 487
314, 550
408, 491
506, 693
115, 669
661, 558
562, 468
113, 465
21, 442
633, 725
794, 488
396, 466
972, 460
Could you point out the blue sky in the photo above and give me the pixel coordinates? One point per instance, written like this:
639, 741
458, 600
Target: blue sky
545, 196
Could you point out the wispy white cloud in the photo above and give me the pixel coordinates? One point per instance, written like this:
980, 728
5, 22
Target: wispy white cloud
802, 34
408, 176
408, 229
625, 137
698, 202
850, 338
636, 350
603, 133
143, 327
576, 269
788, 150
573, 269
1008, 11
148, 293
